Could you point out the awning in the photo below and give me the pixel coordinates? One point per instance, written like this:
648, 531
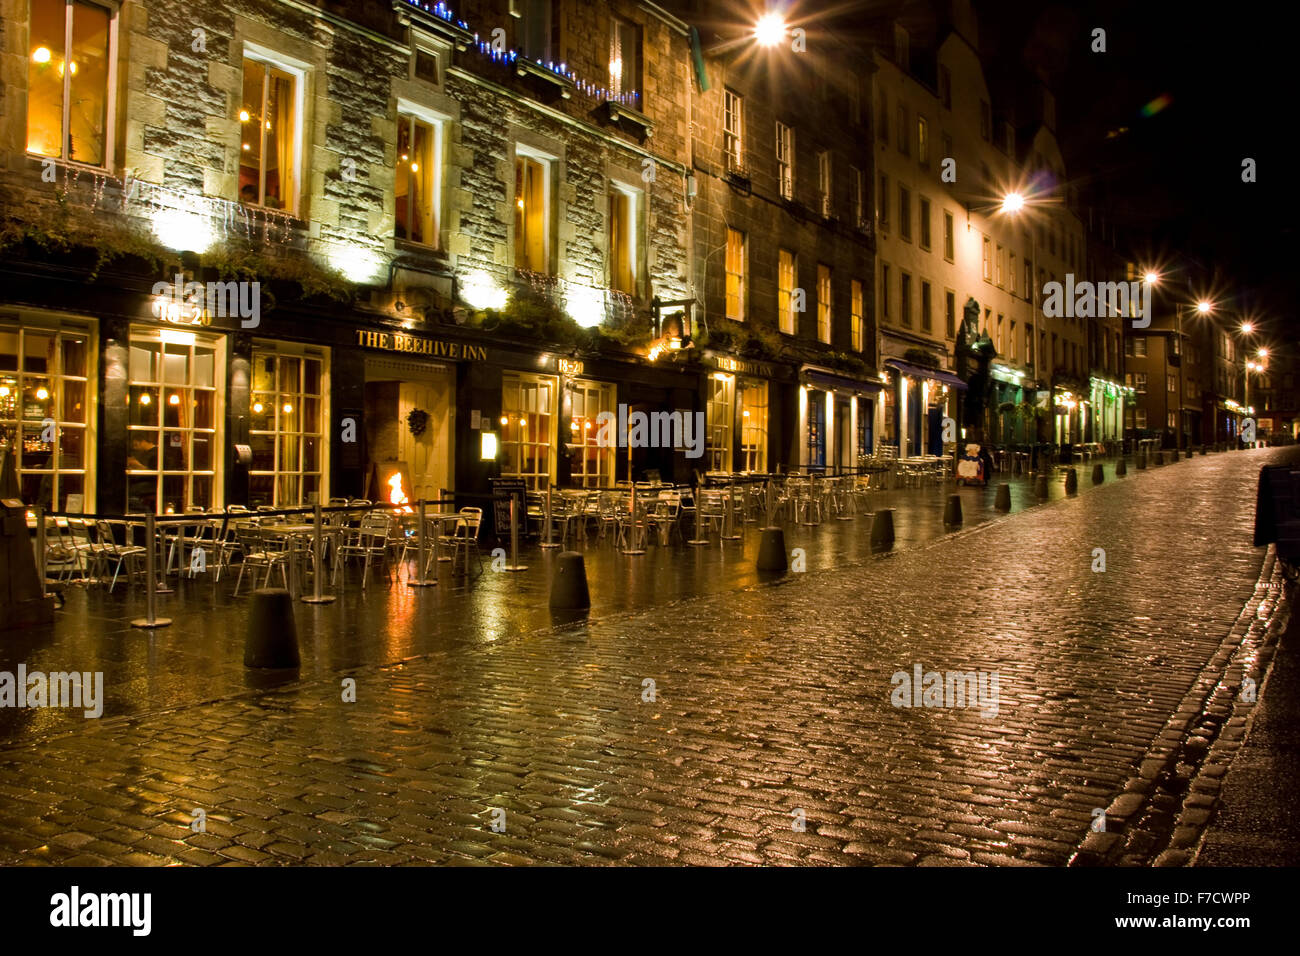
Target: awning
917, 371
838, 383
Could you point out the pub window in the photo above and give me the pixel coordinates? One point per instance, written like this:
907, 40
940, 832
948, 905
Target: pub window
532, 212
787, 279
174, 410
624, 255
418, 179
719, 409
46, 414
70, 81
591, 464
753, 425
528, 428
816, 446
735, 274
268, 123
286, 428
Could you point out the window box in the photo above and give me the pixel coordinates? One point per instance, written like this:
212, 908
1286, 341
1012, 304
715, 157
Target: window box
628, 118
558, 83
430, 21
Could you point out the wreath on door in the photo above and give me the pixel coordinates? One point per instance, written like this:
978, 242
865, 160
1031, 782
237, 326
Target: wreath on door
417, 421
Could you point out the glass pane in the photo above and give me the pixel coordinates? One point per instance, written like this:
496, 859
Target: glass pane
70, 485
278, 159
204, 404
175, 452
421, 185
261, 491
45, 79
74, 401
311, 454
8, 397
288, 415
403, 177
263, 412
205, 361
311, 415
144, 451
288, 491
263, 452
38, 352
38, 402
37, 453
311, 376
72, 443
174, 497
310, 488
289, 453
176, 413
38, 490
250, 127
203, 443
290, 369
8, 351
88, 98
74, 356
142, 494
202, 496
144, 405
263, 372
176, 364
142, 367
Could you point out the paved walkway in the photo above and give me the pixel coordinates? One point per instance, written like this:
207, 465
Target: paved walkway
737, 726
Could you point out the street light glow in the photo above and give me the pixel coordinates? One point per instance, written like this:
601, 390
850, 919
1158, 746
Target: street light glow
1247, 327
1263, 353
1203, 307
1151, 278
770, 29
1013, 203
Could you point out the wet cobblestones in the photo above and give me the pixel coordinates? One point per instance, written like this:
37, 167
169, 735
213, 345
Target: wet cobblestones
771, 705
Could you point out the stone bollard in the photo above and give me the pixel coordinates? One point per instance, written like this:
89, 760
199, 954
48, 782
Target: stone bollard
882, 528
1040, 485
1173, 455
1160, 458
771, 550
1204, 451
1003, 499
1121, 468
952, 510
1071, 481
272, 639
1098, 474
569, 584
1141, 460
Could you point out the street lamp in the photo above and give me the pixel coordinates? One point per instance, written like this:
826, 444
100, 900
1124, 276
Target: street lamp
770, 29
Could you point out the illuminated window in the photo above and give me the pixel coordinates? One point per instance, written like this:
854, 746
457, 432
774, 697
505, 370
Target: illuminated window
998, 260
1011, 272
287, 426
785, 160
719, 409
532, 213
733, 130
625, 62
753, 425
70, 81
922, 141
528, 432
855, 315
787, 279
47, 395
824, 180
173, 421
419, 151
988, 259
824, 316
268, 124
624, 255
591, 464
735, 275
947, 236
859, 179
815, 449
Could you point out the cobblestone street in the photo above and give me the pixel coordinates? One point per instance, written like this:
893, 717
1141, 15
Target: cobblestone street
769, 707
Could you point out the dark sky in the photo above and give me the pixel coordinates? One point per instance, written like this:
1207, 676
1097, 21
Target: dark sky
1175, 175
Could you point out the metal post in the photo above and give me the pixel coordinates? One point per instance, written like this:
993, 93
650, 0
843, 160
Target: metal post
771, 518
699, 540
632, 541
150, 579
318, 555
729, 516
422, 580
40, 545
514, 564
547, 518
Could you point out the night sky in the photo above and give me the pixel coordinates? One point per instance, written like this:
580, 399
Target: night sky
1174, 173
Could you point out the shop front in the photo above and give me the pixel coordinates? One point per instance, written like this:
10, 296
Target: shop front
741, 435
837, 420
917, 401
1107, 422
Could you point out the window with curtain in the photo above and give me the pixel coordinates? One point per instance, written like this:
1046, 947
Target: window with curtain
591, 465
528, 428
733, 129
69, 80
816, 444
735, 274
416, 182
785, 160
268, 136
287, 426
532, 215
624, 217
824, 316
46, 396
625, 62
786, 282
855, 315
753, 425
719, 410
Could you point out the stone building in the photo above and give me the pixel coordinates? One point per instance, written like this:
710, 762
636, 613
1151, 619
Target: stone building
465, 227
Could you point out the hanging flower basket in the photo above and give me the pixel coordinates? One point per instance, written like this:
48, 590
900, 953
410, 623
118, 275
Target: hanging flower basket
417, 421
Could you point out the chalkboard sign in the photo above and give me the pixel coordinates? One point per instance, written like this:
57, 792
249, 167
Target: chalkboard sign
503, 489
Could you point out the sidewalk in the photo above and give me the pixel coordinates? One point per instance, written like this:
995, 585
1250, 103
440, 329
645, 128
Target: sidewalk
200, 656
